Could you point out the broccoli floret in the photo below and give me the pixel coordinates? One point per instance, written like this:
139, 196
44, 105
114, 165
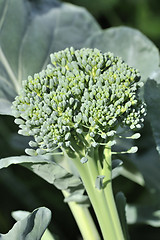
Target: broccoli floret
83, 94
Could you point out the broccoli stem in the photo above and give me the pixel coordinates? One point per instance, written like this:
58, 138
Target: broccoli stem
109, 193
101, 199
47, 236
84, 220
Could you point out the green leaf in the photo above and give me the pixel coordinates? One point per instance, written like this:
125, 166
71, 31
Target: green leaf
130, 44
146, 209
54, 174
5, 106
19, 215
31, 227
152, 98
155, 75
148, 164
129, 170
76, 195
116, 163
51, 172
121, 204
140, 214
6, 162
46, 169
28, 38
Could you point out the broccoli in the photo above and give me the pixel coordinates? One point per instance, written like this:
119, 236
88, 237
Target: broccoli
77, 105
84, 94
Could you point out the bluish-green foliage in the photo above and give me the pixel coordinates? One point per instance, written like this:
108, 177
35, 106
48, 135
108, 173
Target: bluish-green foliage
26, 39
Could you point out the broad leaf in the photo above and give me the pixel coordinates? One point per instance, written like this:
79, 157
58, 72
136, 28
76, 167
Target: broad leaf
5, 106
6, 162
124, 166
29, 32
121, 205
155, 75
129, 170
51, 172
55, 174
116, 163
152, 98
149, 165
31, 227
143, 215
19, 215
130, 44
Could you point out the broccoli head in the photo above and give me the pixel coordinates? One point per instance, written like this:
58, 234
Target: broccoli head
82, 93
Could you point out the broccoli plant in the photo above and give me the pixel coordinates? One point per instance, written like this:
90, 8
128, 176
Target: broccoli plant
79, 105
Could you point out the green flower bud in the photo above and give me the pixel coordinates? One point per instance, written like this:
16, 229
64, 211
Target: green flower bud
85, 88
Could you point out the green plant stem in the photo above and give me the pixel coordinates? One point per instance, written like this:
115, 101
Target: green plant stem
47, 235
84, 220
102, 199
109, 193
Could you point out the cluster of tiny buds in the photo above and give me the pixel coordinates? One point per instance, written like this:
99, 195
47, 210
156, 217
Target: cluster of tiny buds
82, 92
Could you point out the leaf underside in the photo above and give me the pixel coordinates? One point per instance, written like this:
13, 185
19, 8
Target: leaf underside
30, 227
51, 172
28, 38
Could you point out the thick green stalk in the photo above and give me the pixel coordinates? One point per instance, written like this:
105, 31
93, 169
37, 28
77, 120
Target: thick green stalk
100, 198
47, 235
84, 220
109, 193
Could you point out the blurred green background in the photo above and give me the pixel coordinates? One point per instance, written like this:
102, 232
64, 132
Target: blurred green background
22, 189
141, 14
